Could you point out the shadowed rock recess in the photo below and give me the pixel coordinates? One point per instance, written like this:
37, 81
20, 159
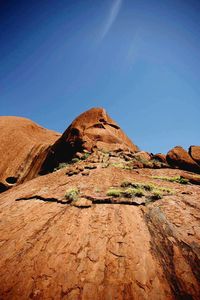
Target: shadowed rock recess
87, 215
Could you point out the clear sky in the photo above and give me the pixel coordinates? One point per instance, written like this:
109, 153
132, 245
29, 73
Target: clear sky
138, 59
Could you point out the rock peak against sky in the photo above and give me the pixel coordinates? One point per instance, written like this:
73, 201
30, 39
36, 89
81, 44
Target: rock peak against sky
138, 59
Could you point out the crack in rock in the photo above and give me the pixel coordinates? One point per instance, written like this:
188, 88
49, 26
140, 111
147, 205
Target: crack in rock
37, 197
95, 200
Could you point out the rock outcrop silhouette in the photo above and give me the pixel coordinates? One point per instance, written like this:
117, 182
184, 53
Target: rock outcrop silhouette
108, 222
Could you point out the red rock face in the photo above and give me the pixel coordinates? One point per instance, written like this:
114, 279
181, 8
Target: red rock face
114, 225
160, 157
98, 249
178, 157
23, 148
93, 129
142, 155
194, 152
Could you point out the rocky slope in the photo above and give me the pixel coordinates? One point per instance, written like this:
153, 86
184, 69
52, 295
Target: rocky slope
111, 224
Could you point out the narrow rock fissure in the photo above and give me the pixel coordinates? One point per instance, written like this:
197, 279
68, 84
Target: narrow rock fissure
37, 197
94, 201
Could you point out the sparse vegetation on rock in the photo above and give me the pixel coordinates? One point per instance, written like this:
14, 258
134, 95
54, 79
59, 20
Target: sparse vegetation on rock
177, 179
61, 166
131, 189
114, 192
72, 194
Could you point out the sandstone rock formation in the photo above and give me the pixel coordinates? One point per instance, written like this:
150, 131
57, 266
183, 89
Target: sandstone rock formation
160, 157
107, 225
178, 157
23, 148
98, 246
142, 155
194, 152
93, 129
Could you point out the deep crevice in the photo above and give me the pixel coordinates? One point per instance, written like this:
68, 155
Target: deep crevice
60, 153
3, 187
11, 180
94, 200
37, 197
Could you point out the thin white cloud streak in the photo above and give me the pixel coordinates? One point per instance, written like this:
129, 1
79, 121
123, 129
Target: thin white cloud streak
111, 18
133, 51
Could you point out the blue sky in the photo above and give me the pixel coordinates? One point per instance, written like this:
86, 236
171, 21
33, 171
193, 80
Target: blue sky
138, 59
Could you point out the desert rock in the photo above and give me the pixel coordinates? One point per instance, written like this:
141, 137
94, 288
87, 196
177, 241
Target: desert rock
178, 157
93, 129
143, 156
194, 152
101, 226
23, 148
95, 248
160, 157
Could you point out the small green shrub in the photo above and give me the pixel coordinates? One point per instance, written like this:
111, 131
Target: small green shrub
125, 184
129, 192
178, 179
118, 165
183, 180
133, 192
72, 194
134, 189
85, 155
167, 190
60, 166
130, 184
75, 160
114, 192
148, 187
127, 167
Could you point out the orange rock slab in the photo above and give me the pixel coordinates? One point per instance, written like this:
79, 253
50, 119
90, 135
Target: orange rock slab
23, 148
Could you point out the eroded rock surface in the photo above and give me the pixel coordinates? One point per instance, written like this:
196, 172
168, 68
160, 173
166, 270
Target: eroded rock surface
23, 148
178, 157
160, 157
93, 129
194, 152
111, 223
94, 248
